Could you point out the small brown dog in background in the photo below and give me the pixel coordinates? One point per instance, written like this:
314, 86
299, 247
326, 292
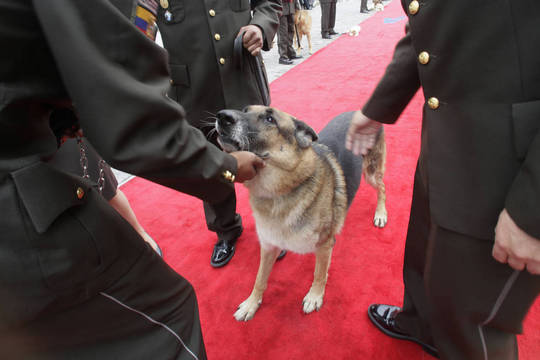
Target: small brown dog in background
302, 26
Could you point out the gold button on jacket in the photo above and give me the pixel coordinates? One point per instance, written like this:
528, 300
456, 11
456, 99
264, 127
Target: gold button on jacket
217, 37
229, 176
413, 7
433, 103
80, 193
423, 57
212, 12
222, 61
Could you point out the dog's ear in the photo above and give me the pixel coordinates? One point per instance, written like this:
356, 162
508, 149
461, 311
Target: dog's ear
304, 134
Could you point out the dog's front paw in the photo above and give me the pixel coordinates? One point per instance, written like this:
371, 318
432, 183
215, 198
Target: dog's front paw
312, 301
247, 309
380, 219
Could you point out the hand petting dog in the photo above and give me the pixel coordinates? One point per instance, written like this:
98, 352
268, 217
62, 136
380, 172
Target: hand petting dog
248, 164
362, 134
253, 38
515, 247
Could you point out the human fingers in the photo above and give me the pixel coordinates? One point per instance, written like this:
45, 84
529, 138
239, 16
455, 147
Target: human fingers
363, 143
499, 253
255, 49
249, 36
533, 267
242, 29
516, 263
258, 163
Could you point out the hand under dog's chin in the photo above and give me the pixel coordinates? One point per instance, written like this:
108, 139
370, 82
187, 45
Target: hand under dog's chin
227, 146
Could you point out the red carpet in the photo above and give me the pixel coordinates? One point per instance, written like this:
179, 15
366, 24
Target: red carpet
366, 264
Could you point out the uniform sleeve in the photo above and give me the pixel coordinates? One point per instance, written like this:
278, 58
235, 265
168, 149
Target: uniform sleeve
266, 16
118, 79
398, 85
523, 199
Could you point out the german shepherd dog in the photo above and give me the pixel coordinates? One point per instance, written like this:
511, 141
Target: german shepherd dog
300, 198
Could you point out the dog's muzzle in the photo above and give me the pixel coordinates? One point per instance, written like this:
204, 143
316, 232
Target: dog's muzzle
226, 120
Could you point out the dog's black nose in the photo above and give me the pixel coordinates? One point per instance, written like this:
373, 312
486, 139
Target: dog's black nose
226, 117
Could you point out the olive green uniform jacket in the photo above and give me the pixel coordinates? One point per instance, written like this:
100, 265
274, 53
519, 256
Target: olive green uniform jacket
199, 37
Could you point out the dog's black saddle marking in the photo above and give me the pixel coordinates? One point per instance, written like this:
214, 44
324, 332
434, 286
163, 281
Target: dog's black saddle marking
333, 136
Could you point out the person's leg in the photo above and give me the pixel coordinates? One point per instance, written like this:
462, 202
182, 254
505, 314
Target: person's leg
291, 53
414, 319
283, 37
325, 11
222, 219
332, 18
411, 321
477, 304
363, 6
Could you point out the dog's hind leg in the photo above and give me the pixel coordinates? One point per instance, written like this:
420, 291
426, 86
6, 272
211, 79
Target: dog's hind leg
373, 168
314, 298
247, 309
308, 35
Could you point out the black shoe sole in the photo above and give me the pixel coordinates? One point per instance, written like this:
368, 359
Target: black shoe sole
223, 263
427, 348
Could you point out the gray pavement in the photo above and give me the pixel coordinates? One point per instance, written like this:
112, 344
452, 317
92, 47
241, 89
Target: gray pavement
347, 15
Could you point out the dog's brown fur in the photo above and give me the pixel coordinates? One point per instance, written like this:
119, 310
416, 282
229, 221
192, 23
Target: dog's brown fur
302, 24
299, 198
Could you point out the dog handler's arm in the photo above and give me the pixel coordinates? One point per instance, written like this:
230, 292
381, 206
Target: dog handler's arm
117, 79
398, 85
266, 16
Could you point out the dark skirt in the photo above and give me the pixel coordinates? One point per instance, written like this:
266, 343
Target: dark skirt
78, 282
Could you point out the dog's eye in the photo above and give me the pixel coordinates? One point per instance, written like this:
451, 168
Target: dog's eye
269, 119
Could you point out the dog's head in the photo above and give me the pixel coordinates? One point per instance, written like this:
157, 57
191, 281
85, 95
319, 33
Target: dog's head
263, 130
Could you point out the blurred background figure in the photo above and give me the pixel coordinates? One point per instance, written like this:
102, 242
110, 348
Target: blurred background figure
328, 18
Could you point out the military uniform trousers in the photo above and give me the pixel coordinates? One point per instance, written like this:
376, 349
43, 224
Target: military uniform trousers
457, 297
286, 36
328, 16
78, 282
363, 5
221, 217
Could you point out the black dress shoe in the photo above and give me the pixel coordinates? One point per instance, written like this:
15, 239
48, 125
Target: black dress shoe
365, 11
332, 32
295, 56
326, 35
222, 254
384, 318
285, 61
281, 255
